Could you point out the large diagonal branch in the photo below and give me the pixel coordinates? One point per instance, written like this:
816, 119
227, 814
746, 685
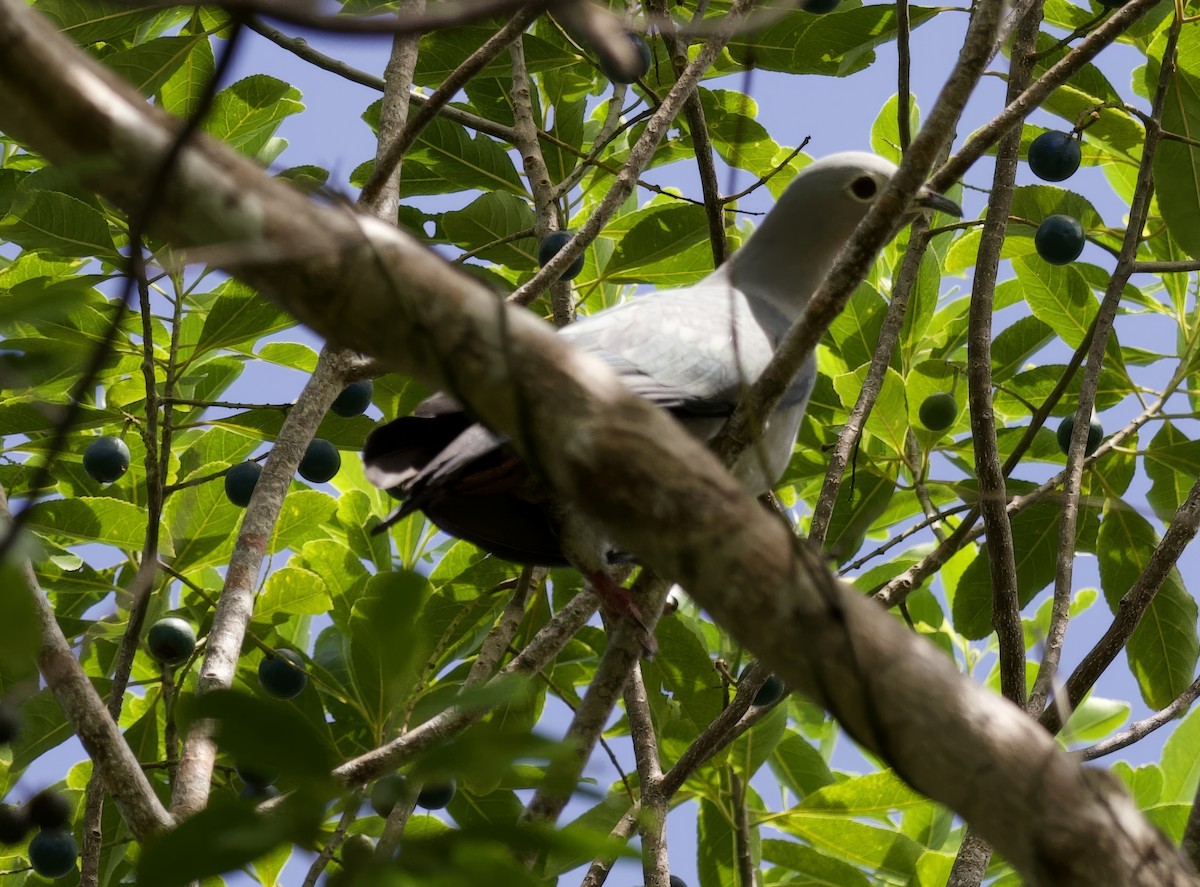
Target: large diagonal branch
652, 488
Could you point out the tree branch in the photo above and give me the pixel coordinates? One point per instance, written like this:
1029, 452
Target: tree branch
639, 155
1138, 211
885, 345
1058, 74
236, 604
872, 233
1139, 730
86, 711
1006, 605
698, 127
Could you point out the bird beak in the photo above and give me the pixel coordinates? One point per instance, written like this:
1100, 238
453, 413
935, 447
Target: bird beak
933, 200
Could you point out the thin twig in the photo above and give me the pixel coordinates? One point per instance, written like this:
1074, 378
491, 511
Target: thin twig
775, 170
889, 335
87, 713
869, 237
348, 817
702, 149
472, 65
1138, 211
903, 74
652, 824
1006, 604
639, 156
1139, 730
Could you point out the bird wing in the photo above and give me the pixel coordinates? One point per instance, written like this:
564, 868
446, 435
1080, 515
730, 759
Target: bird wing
691, 351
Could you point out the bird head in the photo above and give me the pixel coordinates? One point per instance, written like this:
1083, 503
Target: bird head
854, 179
794, 246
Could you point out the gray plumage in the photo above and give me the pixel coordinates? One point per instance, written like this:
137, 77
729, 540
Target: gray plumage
691, 351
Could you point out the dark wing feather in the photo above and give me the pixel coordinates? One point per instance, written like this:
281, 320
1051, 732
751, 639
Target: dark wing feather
466, 480
397, 452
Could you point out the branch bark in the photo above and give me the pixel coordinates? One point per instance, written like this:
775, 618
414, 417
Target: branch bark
236, 604
89, 717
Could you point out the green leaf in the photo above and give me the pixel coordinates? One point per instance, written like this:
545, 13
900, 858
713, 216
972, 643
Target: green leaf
875, 795
837, 44
1016, 344
736, 134
1058, 296
292, 355
303, 518
342, 573
89, 519
446, 160
752, 749
885, 133
216, 445
247, 113
224, 836
149, 65
685, 671
1180, 763
1164, 648
491, 218
93, 21
56, 223
291, 591
384, 670
882, 850
717, 846
855, 332
239, 316
1096, 718
889, 419
182, 91
1035, 542
357, 515
809, 867
19, 633
250, 729
43, 727
659, 233
858, 506
565, 90
1173, 464
1176, 164
202, 523
1145, 783
799, 766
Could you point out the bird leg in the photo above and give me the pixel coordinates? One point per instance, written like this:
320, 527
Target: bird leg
617, 603
586, 547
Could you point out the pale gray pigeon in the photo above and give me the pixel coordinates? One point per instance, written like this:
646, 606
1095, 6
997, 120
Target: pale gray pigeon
692, 351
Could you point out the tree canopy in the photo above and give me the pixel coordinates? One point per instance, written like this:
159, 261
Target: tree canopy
248, 668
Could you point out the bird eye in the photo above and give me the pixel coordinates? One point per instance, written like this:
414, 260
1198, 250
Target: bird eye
864, 187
